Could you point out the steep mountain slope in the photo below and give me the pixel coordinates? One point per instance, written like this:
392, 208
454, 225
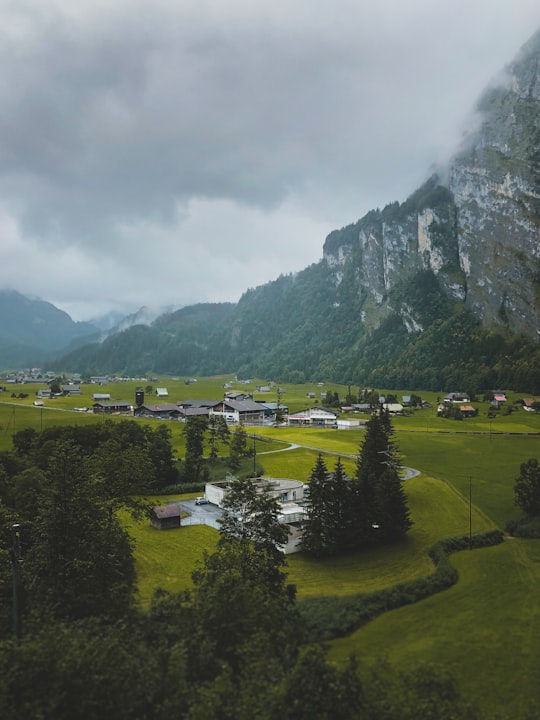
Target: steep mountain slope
496, 186
479, 234
440, 291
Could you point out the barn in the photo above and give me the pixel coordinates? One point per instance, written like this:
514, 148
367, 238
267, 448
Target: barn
164, 517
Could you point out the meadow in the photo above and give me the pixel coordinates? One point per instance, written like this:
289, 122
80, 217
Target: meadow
485, 630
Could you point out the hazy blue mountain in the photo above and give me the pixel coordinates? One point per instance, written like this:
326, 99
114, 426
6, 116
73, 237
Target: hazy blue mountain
31, 329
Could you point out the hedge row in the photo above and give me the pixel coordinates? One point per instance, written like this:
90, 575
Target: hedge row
326, 618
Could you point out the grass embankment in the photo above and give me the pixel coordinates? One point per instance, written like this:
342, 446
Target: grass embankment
485, 630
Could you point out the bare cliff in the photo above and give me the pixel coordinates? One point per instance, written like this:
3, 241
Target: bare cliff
476, 226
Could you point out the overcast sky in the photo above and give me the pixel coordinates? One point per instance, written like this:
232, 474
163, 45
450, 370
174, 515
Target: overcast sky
182, 151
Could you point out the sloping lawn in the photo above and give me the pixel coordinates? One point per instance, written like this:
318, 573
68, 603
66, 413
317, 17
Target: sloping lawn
437, 512
485, 630
165, 559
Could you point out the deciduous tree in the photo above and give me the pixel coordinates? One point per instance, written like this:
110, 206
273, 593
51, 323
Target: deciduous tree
252, 513
527, 487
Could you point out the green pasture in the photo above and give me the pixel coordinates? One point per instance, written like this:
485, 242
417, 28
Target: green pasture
437, 511
166, 559
485, 630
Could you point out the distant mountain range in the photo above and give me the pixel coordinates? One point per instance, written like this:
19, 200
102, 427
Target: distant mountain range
438, 292
31, 329
34, 332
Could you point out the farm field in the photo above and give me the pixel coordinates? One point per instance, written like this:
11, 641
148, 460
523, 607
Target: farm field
484, 629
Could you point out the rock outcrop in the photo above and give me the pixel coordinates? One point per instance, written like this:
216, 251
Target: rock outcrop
477, 228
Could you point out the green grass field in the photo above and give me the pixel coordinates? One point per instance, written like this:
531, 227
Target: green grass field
485, 629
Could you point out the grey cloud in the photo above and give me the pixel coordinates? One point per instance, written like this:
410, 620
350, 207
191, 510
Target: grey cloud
120, 117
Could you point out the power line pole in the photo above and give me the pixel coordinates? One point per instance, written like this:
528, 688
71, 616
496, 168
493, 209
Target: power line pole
16, 560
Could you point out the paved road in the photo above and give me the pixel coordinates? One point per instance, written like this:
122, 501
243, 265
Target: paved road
408, 472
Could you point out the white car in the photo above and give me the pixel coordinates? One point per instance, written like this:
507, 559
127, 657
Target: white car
201, 501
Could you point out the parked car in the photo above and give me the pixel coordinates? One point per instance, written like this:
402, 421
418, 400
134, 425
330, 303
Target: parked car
201, 501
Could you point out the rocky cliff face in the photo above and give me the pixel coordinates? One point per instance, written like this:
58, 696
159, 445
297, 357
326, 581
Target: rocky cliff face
496, 186
478, 230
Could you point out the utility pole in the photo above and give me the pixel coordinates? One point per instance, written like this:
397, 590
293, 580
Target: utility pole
16, 561
470, 512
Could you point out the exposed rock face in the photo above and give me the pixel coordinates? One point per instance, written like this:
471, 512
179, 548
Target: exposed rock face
480, 233
496, 186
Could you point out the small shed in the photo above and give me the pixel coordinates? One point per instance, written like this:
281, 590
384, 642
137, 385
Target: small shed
165, 517
162, 392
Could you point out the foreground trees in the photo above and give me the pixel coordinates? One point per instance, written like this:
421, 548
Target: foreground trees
251, 514
232, 647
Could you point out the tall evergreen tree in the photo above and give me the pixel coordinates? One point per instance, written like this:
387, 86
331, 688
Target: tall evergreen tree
326, 523
218, 432
378, 504
80, 561
238, 446
252, 513
314, 538
194, 430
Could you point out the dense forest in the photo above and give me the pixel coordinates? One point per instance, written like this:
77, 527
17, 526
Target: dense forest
302, 327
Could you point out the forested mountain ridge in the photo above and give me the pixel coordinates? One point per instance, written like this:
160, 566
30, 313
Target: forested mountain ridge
440, 290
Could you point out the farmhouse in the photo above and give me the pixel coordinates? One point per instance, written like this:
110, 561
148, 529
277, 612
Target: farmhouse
247, 412
271, 408
71, 390
531, 404
318, 416
113, 407
44, 393
165, 411
101, 397
393, 408
165, 517
468, 411
237, 396
457, 397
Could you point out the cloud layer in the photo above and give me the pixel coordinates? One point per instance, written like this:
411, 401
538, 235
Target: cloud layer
176, 152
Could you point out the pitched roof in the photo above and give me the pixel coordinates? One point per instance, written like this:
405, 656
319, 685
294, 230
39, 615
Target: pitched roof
164, 407
244, 405
168, 511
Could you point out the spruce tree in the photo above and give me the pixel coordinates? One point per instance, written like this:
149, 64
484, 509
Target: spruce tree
326, 524
379, 504
315, 527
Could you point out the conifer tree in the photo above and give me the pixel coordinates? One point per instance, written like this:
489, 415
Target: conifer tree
314, 526
326, 524
378, 504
